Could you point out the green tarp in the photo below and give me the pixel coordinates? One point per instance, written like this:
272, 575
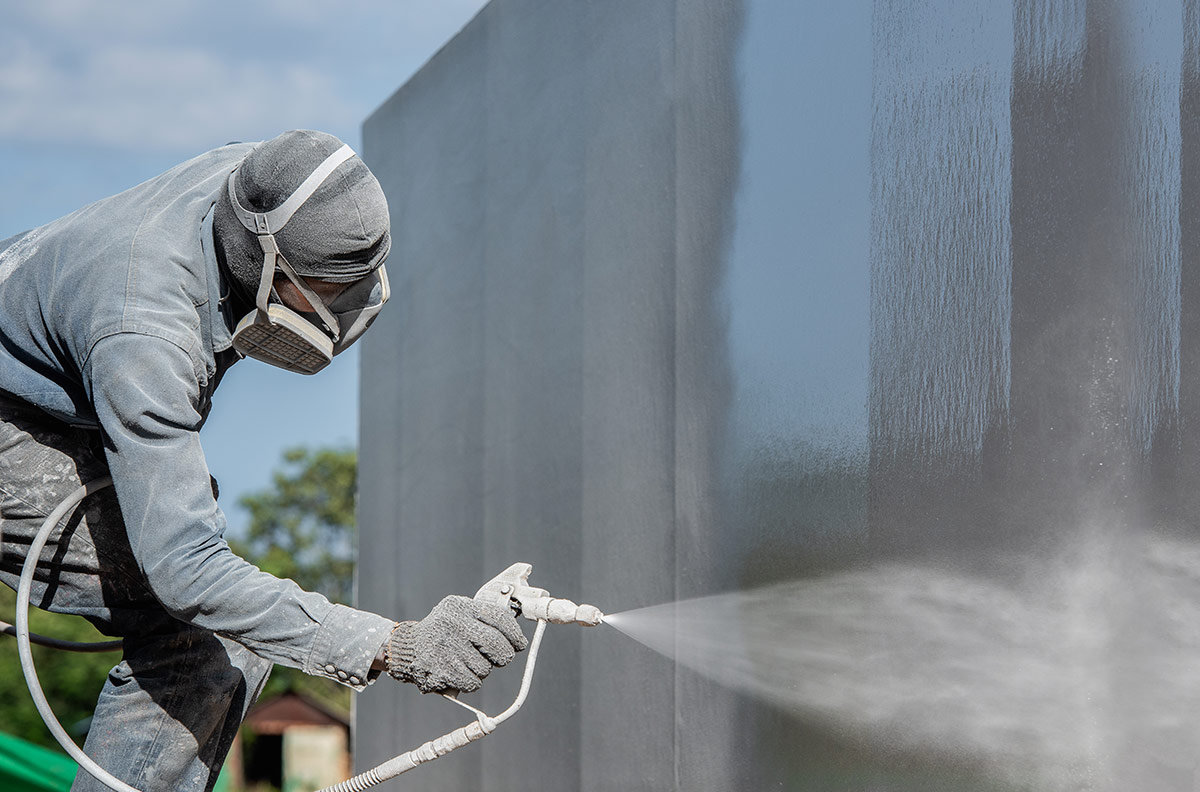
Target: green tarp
25, 767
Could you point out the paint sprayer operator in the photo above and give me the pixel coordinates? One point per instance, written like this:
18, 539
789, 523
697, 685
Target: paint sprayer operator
117, 323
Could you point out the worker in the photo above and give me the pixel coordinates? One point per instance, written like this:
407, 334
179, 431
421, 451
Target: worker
118, 322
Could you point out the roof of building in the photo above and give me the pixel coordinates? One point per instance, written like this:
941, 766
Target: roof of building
291, 709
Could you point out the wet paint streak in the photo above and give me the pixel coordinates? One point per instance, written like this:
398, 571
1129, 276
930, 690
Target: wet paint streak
941, 240
1097, 180
1175, 451
1151, 177
1050, 40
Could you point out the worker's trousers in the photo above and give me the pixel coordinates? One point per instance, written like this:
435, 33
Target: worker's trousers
169, 711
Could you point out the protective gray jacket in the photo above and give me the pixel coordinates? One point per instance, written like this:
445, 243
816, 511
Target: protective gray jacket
112, 319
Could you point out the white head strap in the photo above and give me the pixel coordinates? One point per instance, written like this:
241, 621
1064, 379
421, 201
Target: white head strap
266, 224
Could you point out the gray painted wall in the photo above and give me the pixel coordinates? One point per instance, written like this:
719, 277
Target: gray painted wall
875, 312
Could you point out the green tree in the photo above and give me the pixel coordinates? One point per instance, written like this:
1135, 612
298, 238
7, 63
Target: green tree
302, 527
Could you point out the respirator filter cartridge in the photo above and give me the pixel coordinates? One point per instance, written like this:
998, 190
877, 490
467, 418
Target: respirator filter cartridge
286, 340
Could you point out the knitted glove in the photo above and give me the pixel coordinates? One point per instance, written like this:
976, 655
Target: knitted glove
455, 646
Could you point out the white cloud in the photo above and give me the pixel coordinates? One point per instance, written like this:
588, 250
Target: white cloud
155, 97
187, 76
71, 21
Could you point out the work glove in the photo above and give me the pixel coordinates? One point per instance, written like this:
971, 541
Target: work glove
455, 646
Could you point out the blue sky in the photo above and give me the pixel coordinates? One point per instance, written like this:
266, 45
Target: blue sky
100, 96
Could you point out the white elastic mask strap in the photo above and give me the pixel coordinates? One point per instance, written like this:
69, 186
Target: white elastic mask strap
266, 224
270, 254
316, 302
271, 222
277, 218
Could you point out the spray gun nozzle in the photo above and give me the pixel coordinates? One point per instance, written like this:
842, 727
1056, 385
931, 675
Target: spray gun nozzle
588, 615
511, 587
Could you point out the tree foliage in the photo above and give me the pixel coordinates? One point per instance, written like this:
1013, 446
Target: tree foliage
71, 681
303, 526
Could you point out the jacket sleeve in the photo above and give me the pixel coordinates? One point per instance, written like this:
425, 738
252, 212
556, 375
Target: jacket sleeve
145, 393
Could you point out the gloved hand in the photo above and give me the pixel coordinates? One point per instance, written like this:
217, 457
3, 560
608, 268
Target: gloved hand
455, 646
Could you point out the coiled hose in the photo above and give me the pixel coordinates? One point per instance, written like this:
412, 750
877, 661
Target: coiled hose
482, 726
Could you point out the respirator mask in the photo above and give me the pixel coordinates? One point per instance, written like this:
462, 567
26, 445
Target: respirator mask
273, 332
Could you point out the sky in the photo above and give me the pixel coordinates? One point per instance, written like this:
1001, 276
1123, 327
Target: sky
99, 96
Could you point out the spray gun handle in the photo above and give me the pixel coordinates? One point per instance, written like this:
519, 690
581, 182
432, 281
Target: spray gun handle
502, 589
511, 587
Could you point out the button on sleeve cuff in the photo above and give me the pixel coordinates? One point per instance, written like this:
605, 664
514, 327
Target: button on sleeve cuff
346, 645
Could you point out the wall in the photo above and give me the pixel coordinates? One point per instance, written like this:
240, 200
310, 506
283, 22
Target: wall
873, 316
